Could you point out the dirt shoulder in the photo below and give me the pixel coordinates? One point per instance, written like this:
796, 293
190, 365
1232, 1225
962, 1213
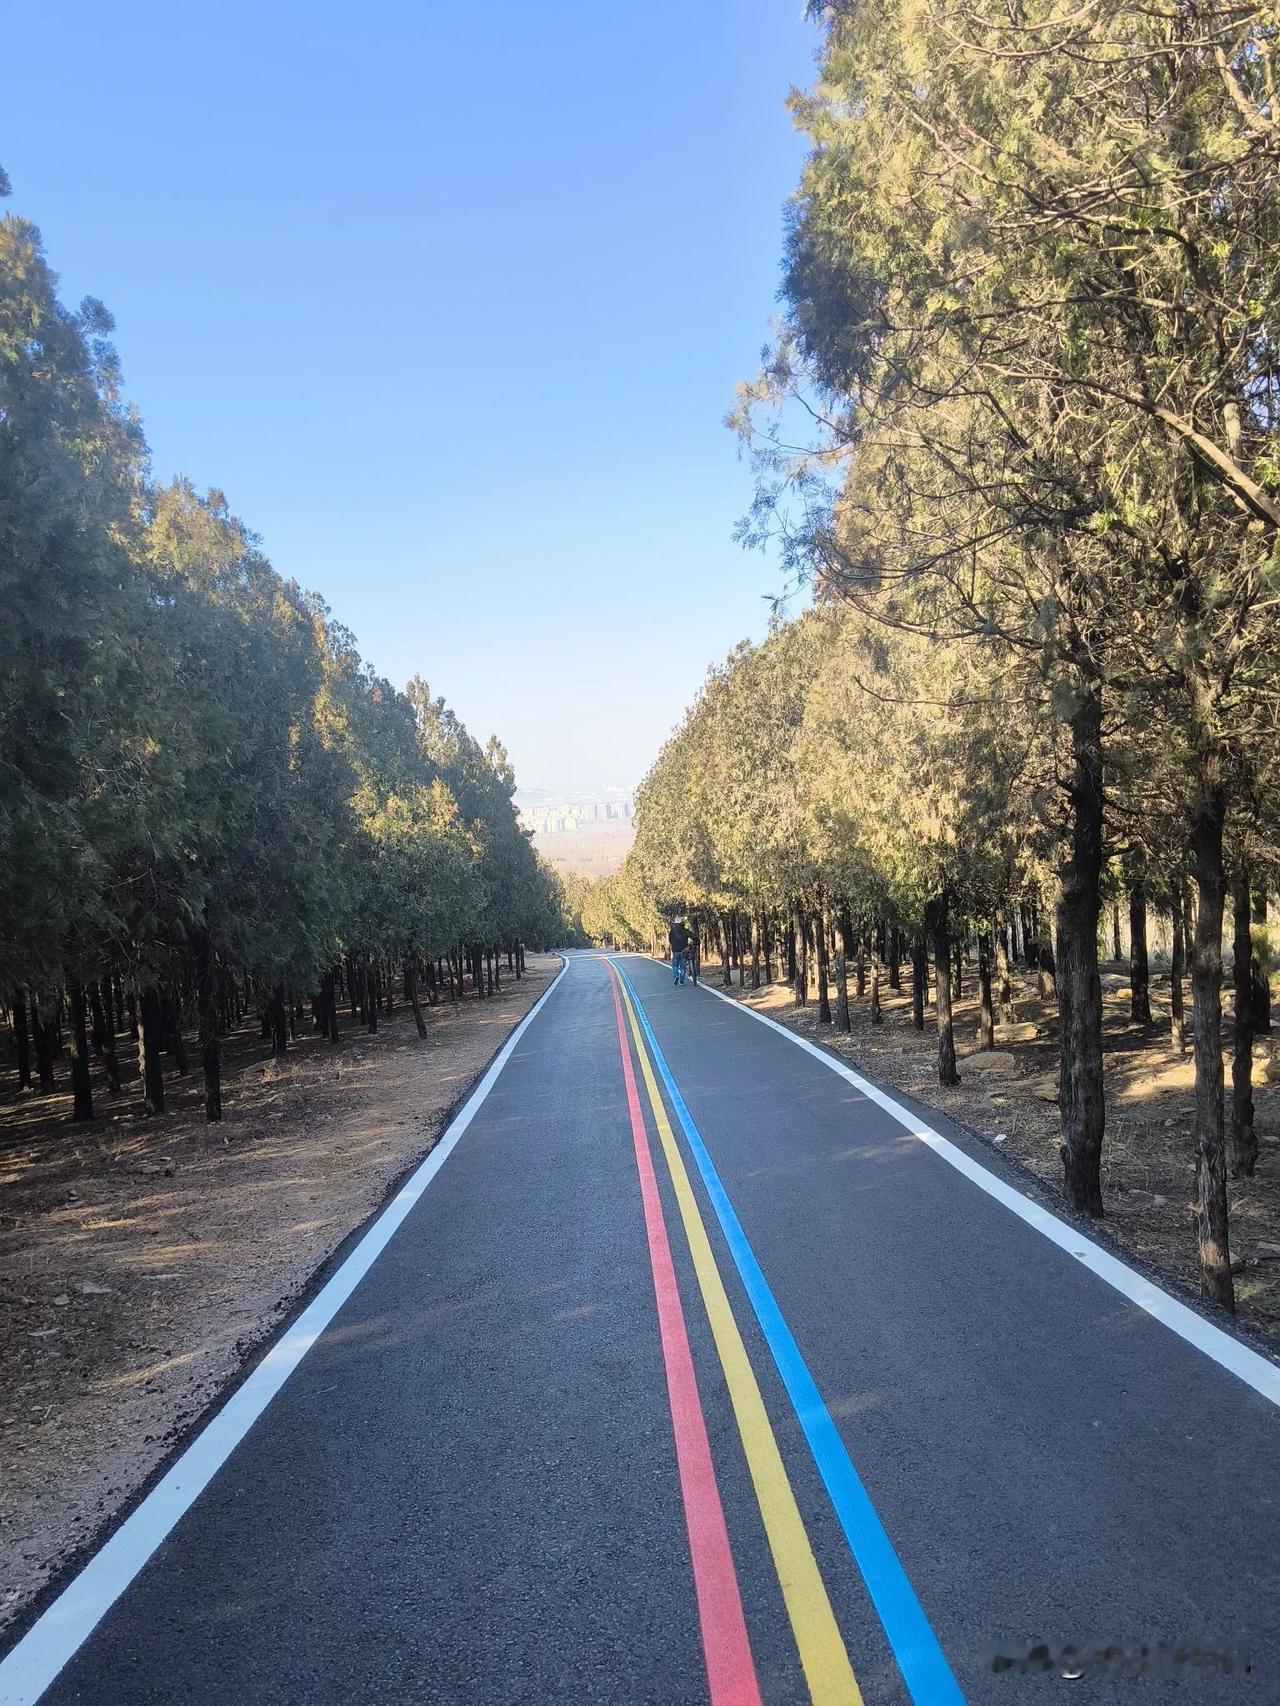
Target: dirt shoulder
143, 1262
1008, 1100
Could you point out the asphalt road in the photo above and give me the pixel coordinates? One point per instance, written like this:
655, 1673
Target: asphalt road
693, 1376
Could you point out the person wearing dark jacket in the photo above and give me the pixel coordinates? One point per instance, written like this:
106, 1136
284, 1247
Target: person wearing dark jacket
678, 936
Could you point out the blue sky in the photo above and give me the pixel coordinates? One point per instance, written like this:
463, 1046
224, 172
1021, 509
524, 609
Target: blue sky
450, 301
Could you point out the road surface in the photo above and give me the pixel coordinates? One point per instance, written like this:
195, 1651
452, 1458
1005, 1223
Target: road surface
691, 1374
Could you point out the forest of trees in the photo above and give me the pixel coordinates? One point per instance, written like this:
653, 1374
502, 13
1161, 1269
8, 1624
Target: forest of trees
1015, 436
209, 805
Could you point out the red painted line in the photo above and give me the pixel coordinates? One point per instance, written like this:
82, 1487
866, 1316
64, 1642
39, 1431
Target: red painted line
731, 1671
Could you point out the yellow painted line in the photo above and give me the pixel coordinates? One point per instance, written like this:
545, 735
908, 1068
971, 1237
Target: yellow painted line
822, 1651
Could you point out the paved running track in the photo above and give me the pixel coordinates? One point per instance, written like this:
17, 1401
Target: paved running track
691, 1374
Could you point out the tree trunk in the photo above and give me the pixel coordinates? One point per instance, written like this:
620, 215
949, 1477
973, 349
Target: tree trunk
206, 970
895, 958
1026, 912
820, 938
755, 950
279, 1021
1117, 949
800, 957
1139, 965
1261, 967
1080, 1096
411, 983
766, 932
1178, 971
844, 932
938, 924
42, 1037
1244, 1139
957, 972
1188, 921
100, 996
919, 980
173, 1033
97, 1025
150, 1043
862, 963
877, 1012
1048, 972
1206, 992
1004, 980
81, 1079
22, 1041
986, 1012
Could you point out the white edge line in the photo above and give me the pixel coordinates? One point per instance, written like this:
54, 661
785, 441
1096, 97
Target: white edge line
62, 1628
1221, 1347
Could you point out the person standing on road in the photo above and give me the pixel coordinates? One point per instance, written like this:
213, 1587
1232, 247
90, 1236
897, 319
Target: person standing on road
678, 936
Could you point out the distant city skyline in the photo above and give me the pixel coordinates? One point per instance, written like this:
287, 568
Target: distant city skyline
567, 814
586, 831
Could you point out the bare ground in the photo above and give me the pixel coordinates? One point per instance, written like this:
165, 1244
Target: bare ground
143, 1261
1148, 1163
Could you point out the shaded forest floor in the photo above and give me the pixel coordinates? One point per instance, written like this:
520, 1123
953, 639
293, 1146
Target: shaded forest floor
1008, 1099
143, 1260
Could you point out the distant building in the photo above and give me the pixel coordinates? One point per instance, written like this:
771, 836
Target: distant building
608, 814
587, 832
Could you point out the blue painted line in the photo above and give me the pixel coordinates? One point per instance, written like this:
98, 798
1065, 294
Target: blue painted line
924, 1668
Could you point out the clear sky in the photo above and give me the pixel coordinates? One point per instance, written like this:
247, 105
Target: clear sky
450, 301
